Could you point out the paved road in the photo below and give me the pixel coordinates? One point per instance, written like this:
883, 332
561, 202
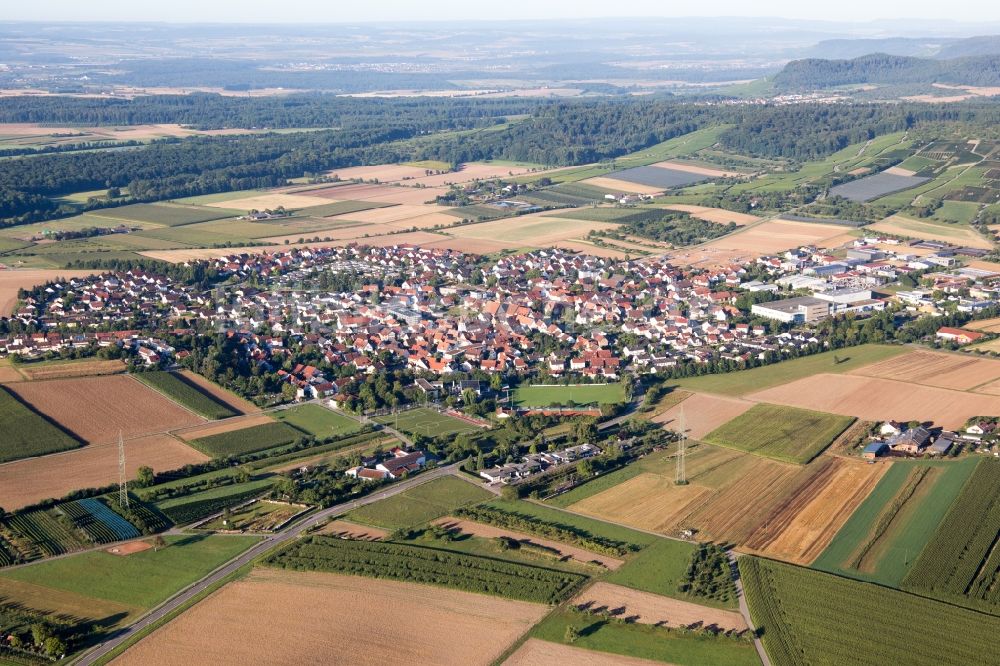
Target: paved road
248, 556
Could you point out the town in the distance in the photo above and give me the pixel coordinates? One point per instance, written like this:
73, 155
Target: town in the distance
566, 343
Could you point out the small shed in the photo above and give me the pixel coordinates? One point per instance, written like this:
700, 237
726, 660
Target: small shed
874, 450
941, 446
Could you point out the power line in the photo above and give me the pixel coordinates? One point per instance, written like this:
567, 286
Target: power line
680, 473
122, 476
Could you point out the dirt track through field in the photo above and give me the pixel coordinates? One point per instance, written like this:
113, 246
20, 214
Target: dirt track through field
25, 482
283, 617
490, 532
649, 608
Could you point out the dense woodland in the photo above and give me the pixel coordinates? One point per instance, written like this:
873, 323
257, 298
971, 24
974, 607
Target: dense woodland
555, 133
889, 69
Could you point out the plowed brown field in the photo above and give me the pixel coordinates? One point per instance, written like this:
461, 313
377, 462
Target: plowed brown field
284, 617
703, 413
649, 608
880, 399
98, 408
929, 368
25, 482
804, 523
91, 368
536, 652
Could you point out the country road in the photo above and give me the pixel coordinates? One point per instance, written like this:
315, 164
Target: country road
196, 588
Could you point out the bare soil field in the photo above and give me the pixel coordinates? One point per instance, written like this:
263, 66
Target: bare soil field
620, 186
403, 215
719, 215
121, 133
384, 173
778, 235
96, 409
13, 280
222, 395
899, 171
381, 193
647, 501
227, 425
939, 369
469, 172
9, 374
126, 549
285, 617
348, 530
536, 652
91, 368
649, 608
25, 482
342, 232
700, 170
530, 230
805, 523
491, 532
953, 233
289, 201
880, 399
703, 413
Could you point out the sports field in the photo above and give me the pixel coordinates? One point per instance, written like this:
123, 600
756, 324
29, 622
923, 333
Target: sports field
426, 422
783, 433
318, 421
420, 504
882, 538
574, 394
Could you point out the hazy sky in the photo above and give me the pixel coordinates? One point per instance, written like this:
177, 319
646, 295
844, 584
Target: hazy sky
313, 11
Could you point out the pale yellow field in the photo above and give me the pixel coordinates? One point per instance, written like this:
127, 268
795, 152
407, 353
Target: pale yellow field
380, 193
384, 173
530, 230
289, 201
951, 371
536, 652
11, 281
778, 235
284, 617
700, 170
647, 501
469, 172
615, 185
702, 413
720, 215
402, 213
953, 233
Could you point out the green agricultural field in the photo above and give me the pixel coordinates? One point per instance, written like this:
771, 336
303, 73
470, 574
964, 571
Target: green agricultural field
426, 422
170, 215
960, 212
421, 504
810, 617
186, 394
192, 236
758, 379
26, 434
247, 440
574, 394
903, 533
660, 568
191, 508
599, 214
645, 641
318, 421
142, 579
783, 433
961, 563
418, 564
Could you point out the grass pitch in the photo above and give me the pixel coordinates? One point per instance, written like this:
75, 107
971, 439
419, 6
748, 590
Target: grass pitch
426, 422
318, 421
577, 394
783, 433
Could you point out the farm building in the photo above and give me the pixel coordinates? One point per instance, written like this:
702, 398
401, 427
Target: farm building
914, 440
958, 335
400, 463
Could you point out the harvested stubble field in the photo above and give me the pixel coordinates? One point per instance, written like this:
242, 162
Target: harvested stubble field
384, 173
96, 409
263, 201
11, 281
649, 608
622, 186
87, 368
460, 526
880, 399
25, 482
953, 233
720, 215
804, 523
777, 235
702, 413
530, 230
985, 325
348, 530
380, 193
536, 652
285, 617
648, 501
696, 169
950, 371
